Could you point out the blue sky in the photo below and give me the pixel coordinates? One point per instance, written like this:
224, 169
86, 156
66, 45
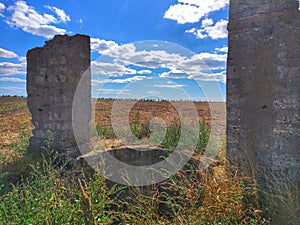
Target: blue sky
168, 49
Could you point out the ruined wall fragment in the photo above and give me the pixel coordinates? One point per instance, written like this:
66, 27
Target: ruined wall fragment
53, 74
263, 96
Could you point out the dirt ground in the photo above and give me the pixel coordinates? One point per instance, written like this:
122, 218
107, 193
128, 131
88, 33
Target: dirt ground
147, 110
15, 118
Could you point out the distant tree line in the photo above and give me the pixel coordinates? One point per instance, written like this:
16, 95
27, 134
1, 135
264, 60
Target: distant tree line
13, 96
122, 99
145, 100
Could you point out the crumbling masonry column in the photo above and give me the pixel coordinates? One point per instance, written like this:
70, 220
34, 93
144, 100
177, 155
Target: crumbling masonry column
53, 74
263, 99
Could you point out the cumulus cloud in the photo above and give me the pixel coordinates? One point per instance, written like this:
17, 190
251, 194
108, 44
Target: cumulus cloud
153, 93
102, 46
175, 74
12, 79
110, 69
2, 7
7, 54
179, 66
13, 89
220, 76
192, 11
212, 61
197, 67
192, 30
128, 80
8, 68
223, 49
184, 13
217, 31
207, 22
144, 72
174, 86
44, 30
29, 20
113, 91
63, 17
129, 55
95, 82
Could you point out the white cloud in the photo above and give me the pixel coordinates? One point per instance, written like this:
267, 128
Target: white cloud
127, 80
14, 90
100, 81
184, 13
211, 61
44, 30
110, 69
103, 46
174, 86
60, 13
220, 76
29, 20
191, 11
153, 93
195, 32
128, 55
179, 66
217, 31
197, 67
112, 91
192, 30
197, 63
123, 56
2, 7
175, 74
223, 49
8, 68
7, 54
12, 79
207, 22
22, 59
119, 81
144, 72
206, 55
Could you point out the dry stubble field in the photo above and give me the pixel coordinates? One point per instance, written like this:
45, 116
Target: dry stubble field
222, 202
16, 127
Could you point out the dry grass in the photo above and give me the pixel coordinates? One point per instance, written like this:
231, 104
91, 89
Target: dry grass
213, 196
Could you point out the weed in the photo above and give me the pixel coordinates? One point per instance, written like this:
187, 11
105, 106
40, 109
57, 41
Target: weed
105, 132
204, 133
138, 129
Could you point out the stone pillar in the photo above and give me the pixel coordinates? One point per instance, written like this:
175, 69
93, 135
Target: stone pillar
53, 74
263, 99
